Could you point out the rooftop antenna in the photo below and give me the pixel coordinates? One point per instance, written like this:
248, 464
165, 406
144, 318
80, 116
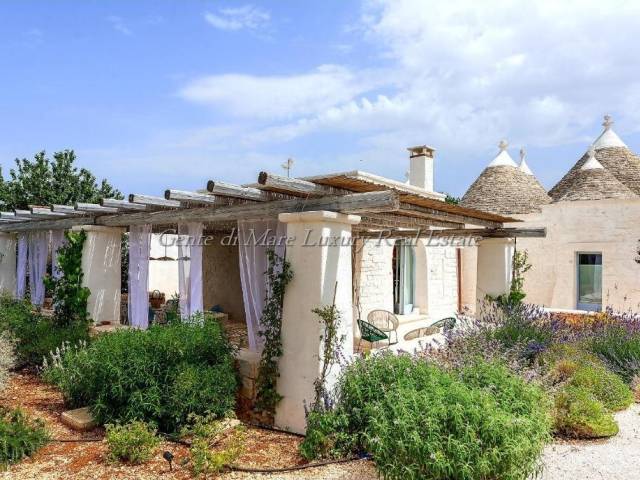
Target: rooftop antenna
288, 165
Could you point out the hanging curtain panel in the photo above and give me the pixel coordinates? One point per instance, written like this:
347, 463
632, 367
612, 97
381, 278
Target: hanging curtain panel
190, 268
21, 266
139, 249
57, 240
255, 237
38, 253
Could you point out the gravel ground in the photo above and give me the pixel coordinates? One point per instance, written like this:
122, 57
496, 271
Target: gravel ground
614, 459
617, 458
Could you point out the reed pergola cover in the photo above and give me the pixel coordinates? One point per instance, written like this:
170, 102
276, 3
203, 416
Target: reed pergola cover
382, 203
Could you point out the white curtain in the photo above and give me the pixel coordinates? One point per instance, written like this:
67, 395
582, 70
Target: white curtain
139, 249
255, 237
38, 253
190, 268
57, 241
21, 267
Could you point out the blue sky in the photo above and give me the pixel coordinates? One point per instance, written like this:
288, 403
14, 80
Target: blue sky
159, 94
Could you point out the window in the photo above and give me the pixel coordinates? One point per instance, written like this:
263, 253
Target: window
404, 277
590, 281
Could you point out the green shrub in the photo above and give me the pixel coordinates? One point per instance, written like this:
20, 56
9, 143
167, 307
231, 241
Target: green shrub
421, 421
133, 442
19, 436
455, 432
207, 432
605, 386
620, 350
327, 436
579, 414
35, 335
159, 375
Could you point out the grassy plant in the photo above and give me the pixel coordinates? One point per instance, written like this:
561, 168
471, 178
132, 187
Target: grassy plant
208, 432
328, 436
620, 349
7, 357
133, 442
19, 436
159, 375
579, 414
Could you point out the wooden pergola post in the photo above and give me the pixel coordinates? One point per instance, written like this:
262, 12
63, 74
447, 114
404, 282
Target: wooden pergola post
319, 251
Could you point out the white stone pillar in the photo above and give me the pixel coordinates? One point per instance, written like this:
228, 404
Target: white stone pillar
8, 263
101, 269
319, 250
495, 257
469, 279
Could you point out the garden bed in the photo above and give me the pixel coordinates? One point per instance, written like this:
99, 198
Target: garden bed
88, 460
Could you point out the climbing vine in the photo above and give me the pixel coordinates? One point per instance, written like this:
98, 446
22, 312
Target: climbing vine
330, 319
519, 266
279, 274
69, 296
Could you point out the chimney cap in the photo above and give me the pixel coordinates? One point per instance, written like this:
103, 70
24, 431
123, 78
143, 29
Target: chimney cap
421, 150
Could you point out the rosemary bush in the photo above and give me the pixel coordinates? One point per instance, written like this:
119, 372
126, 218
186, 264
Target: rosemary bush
160, 375
20, 436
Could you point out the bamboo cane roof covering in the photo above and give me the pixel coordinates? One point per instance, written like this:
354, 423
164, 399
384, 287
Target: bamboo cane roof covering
359, 181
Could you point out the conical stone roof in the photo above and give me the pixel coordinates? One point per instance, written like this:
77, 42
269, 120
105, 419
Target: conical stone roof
592, 181
505, 188
612, 153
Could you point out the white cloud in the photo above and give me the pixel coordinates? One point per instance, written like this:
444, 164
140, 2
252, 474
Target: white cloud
239, 18
119, 24
459, 75
277, 97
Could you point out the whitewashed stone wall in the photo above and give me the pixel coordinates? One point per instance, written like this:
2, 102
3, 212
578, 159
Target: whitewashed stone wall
436, 278
442, 282
374, 276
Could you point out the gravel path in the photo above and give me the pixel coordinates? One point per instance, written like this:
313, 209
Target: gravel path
617, 458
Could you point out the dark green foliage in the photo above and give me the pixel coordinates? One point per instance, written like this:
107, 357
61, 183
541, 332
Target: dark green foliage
69, 296
36, 335
422, 421
19, 436
133, 442
42, 181
620, 350
159, 375
279, 274
328, 436
330, 319
450, 199
519, 266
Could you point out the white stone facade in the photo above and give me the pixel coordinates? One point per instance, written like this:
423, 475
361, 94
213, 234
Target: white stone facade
436, 288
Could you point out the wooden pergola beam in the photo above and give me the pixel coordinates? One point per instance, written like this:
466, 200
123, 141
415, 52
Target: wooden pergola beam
94, 208
293, 186
494, 232
122, 204
153, 201
67, 210
224, 189
425, 212
355, 203
191, 197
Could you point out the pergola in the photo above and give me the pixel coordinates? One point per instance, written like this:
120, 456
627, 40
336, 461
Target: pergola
342, 205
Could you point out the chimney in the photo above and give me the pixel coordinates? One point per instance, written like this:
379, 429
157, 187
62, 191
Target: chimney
421, 167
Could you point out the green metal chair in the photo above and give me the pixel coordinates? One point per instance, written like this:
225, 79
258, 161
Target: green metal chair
370, 333
446, 323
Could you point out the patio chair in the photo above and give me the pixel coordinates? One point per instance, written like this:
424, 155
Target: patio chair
385, 321
446, 323
370, 333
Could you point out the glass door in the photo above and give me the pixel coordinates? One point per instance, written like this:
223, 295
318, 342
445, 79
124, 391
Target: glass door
590, 281
404, 277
